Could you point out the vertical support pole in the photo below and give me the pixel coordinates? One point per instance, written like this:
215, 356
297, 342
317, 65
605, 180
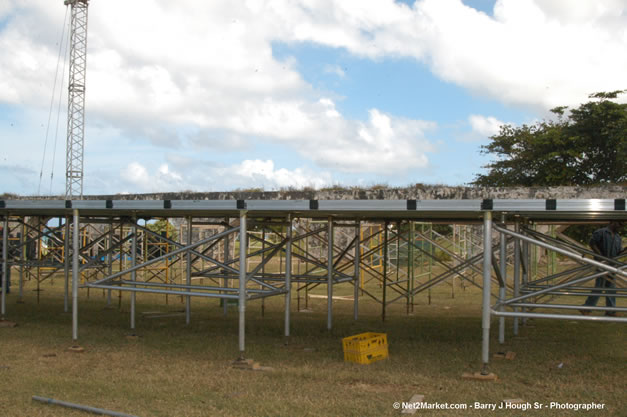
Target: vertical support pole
121, 263
472, 250
75, 274
526, 270
516, 274
357, 270
385, 269
133, 273
188, 273
410, 266
110, 260
66, 266
487, 265
398, 251
242, 281
456, 243
23, 260
288, 276
39, 257
5, 269
330, 274
503, 269
430, 258
225, 301
263, 268
307, 252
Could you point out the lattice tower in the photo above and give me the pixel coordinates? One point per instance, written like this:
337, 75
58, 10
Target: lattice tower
76, 99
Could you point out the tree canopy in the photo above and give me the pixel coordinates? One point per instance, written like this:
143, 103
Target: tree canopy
585, 146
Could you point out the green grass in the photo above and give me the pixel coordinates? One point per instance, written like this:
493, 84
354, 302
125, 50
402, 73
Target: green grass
179, 370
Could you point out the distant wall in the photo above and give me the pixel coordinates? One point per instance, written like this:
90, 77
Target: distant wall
418, 192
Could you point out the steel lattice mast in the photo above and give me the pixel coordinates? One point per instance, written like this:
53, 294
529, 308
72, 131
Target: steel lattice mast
76, 100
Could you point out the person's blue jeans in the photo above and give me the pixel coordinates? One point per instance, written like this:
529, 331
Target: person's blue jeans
603, 282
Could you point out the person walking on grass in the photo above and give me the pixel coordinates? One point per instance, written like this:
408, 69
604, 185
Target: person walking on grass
605, 242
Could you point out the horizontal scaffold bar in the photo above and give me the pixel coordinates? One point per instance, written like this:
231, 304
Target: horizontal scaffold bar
536, 209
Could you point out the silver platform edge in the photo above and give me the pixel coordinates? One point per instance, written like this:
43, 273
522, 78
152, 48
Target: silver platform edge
537, 209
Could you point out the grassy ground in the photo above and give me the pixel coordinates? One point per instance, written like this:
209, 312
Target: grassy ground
178, 370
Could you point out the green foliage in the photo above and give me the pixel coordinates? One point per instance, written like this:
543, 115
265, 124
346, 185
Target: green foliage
161, 226
587, 147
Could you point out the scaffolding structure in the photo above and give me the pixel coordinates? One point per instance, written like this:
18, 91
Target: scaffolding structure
224, 250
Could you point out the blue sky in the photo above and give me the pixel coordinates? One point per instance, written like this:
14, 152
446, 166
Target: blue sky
238, 95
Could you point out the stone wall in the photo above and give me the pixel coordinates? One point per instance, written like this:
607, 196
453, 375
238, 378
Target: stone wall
418, 192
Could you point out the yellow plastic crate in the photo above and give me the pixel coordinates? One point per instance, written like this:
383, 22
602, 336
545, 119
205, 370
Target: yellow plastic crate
365, 348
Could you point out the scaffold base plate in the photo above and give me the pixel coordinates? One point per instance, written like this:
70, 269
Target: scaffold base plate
76, 349
478, 376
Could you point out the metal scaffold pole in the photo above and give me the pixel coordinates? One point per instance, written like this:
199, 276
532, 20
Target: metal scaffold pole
133, 273
356, 278
188, 273
385, 269
288, 275
5, 268
487, 281
516, 274
226, 252
503, 281
66, 265
242, 282
75, 274
330, 275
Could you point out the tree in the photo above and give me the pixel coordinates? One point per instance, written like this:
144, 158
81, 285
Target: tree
163, 228
586, 147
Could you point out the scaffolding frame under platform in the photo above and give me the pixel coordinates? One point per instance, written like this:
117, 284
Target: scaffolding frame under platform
226, 246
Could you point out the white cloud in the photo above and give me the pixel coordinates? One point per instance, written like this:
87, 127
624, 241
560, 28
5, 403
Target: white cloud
190, 62
163, 179
335, 69
210, 66
203, 176
384, 145
263, 173
485, 126
537, 53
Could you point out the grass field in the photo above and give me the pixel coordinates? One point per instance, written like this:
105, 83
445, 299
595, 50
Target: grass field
178, 370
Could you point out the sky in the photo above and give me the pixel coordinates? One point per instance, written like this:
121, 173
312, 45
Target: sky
278, 94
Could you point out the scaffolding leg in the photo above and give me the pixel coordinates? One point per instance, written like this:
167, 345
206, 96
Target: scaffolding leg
516, 275
110, 261
226, 260
330, 275
263, 268
288, 276
242, 282
5, 269
356, 278
503, 268
385, 270
133, 273
66, 266
188, 273
75, 274
23, 259
527, 269
487, 265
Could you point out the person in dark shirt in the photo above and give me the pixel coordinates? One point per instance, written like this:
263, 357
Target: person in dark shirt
607, 243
